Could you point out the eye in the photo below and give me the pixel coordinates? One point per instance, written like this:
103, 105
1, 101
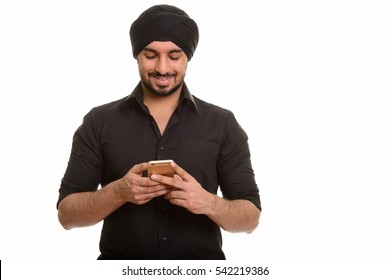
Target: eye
174, 57
149, 56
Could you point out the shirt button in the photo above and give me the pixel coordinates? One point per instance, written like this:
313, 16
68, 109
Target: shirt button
163, 208
161, 148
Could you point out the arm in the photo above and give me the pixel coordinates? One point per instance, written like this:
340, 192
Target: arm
234, 215
89, 208
231, 215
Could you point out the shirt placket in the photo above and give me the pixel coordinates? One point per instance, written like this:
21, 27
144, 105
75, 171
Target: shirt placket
163, 206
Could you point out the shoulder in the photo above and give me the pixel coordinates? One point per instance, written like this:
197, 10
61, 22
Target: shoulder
110, 108
107, 110
103, 114
221, 117
210, 108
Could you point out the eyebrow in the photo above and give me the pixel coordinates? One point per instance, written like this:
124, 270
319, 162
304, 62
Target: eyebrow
171, 51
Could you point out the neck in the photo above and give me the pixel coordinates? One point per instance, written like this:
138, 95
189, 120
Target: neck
161, 107
161, 103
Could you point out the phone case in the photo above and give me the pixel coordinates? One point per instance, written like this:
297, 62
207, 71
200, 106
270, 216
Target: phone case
161, 167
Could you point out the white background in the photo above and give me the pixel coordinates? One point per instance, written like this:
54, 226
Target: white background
308, 81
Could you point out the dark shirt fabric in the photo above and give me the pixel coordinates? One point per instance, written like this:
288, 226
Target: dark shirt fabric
202, 138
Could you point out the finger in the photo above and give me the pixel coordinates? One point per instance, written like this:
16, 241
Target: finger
176, 181
147, 182
174, 195
165, 180
162, 192
152, 194
178, 178
178, 202
142, 198
181, 172
139, 168
156, 189
135, 181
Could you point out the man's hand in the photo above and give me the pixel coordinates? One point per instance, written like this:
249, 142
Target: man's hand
186, 191
137, 189
88, 208
232, 215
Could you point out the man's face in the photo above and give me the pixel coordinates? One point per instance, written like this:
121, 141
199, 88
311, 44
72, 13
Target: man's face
162, 67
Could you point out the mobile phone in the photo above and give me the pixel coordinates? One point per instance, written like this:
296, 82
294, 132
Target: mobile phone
161, 167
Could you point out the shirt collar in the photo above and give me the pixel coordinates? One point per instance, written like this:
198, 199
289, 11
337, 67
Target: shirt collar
186, 98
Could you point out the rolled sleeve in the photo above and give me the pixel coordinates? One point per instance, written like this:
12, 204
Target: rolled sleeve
85, 166
235, 172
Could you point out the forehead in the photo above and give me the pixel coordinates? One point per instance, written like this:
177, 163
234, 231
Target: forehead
163, 47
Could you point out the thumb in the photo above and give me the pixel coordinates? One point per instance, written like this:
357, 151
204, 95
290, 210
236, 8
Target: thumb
139, 168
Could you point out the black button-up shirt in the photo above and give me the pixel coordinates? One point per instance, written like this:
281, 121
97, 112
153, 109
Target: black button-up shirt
202, 138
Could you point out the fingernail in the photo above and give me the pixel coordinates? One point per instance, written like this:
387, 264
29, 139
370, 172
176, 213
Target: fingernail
153, 177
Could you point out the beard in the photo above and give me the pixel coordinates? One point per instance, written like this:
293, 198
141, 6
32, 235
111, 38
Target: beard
160, 91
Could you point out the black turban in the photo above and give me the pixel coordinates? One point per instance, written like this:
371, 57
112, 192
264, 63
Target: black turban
164, 23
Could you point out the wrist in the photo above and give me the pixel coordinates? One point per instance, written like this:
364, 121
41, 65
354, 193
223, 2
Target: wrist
213, 206
118, 187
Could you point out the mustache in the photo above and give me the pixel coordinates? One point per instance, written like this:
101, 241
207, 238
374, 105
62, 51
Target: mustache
159, 75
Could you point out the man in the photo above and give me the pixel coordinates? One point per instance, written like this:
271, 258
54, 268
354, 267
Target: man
160, 217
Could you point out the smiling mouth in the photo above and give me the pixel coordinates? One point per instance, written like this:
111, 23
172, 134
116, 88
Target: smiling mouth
161, 77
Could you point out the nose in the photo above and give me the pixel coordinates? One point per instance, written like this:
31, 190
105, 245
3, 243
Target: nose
162, 65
